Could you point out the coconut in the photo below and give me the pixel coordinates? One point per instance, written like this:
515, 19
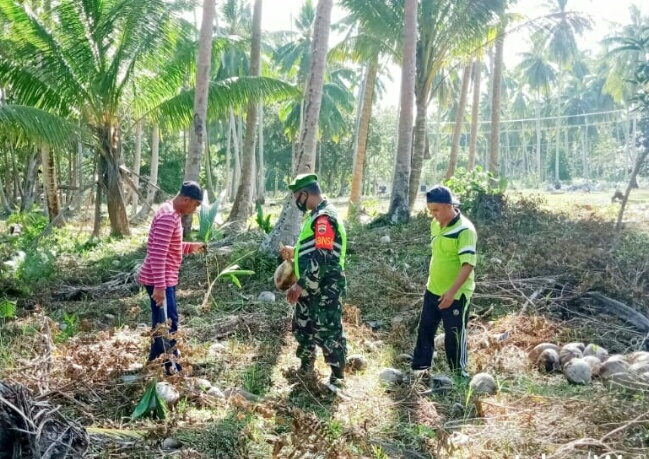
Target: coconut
614, 364
391, 376
638, 357
284, 276
577, 371
356, 362
538, 349
577, 344
639, 368
597, 351
483, 383
569, 352
594, 363
548, 361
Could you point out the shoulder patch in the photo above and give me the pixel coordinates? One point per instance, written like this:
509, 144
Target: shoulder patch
324, 233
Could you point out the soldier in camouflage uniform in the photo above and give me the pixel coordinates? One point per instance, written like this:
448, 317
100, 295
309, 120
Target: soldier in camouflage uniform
319, 258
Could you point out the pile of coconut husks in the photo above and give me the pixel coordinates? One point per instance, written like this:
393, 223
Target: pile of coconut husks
582, 364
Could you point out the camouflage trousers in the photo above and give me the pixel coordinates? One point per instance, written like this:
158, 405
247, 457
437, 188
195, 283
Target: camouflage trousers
317, 321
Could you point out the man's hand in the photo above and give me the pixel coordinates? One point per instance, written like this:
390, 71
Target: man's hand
287, 252
158, 296
198, 247
446, 300
294, 293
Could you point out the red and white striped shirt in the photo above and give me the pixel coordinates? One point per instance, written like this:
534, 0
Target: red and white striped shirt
165, 249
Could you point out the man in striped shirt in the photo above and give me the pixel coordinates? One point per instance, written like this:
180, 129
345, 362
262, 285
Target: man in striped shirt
450, 283
159, 272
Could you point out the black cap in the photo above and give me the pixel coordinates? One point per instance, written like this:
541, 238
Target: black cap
441, 195
192, 190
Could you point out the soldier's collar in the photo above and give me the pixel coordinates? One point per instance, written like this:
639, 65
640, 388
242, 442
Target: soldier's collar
322, 204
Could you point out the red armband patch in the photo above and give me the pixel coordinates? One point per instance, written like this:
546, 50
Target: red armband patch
324, 234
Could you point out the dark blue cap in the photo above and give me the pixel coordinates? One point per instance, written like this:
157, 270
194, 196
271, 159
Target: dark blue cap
192, 190
440, 194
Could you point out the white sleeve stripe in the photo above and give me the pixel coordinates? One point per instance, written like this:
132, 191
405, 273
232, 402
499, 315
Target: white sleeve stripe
468, 248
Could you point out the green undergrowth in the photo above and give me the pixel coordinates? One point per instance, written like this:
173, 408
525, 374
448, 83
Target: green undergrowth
525, 243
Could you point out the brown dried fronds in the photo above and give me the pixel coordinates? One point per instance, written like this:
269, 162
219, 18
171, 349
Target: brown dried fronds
308, 437
35, 428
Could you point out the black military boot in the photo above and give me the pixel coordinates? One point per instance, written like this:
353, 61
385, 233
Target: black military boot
337, 377
307, 367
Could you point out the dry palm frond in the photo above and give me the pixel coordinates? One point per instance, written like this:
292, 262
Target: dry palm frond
35, 428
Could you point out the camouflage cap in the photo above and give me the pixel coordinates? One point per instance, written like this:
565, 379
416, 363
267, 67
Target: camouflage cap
302, 181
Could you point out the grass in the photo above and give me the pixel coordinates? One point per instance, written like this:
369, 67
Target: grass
563, 236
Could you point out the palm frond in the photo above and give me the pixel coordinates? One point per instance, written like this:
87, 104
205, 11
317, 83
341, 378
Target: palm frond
28, 125
223, 94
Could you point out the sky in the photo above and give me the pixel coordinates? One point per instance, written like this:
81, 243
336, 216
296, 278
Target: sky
605, 14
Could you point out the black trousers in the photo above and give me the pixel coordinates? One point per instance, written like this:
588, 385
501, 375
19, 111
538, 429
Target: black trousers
454, 318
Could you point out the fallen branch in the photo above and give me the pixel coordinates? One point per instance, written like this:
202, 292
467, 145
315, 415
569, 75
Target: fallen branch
626, 425
634, 318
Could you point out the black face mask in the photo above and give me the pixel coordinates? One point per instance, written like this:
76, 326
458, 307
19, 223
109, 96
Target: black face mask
301, 205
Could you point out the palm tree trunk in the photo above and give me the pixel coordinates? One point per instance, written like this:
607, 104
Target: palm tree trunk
155, 160
242, 207
459, 122
79, 164
558, 132
494, 149
72, 177
50, 185
633, 181
586, 155
313, 96
228, 160
475, 111
151, 188
31, 178
418, 145
96, 230
236, 175
7, 170
288, 224
137, 160
3, 198
537, 112
359, 110
110, 179
197, 133
208, 172
261, 172
399, 210
15, 178
363, 132
438, 141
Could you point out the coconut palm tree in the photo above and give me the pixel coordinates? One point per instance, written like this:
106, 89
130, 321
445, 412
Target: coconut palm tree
78, 60
287, 228
21, 125
242, 207
537, 72
399, 211
197, 134
446, 27
370, 40
560, 36
459, 121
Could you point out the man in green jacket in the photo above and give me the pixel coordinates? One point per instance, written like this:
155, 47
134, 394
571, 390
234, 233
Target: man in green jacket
450, 283
319, 258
